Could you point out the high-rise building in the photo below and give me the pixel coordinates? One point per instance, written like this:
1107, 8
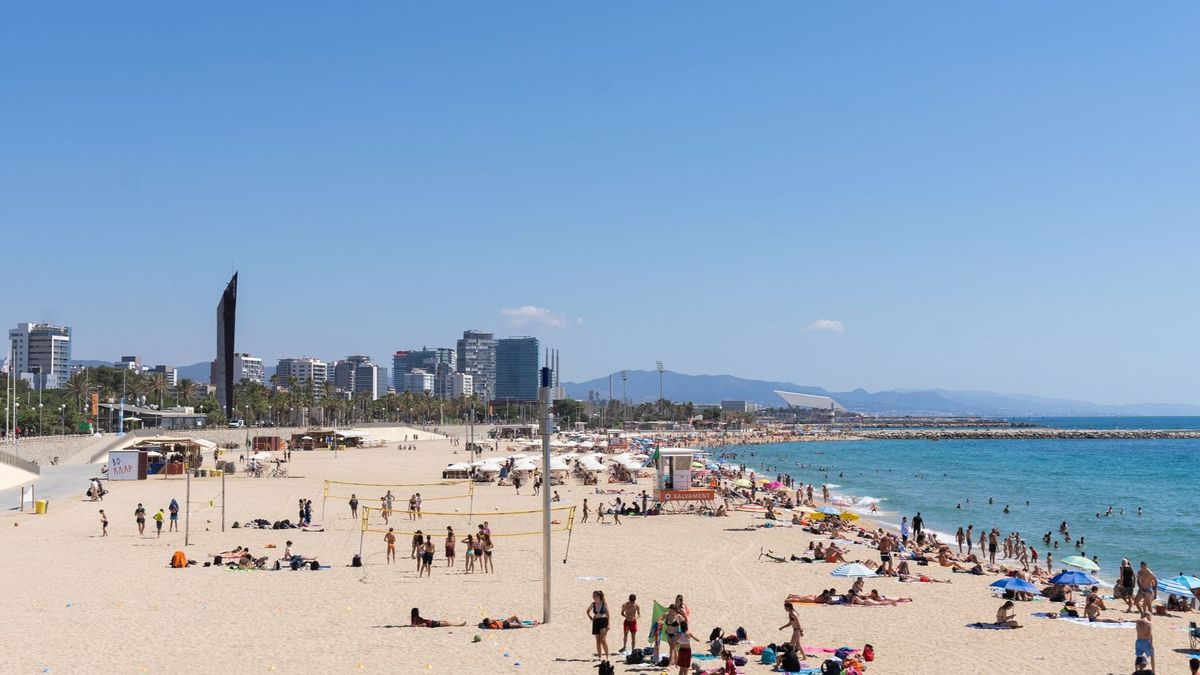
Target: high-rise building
223, 365
462, 386
419, 381
517, 366
477, 358
400, 368
41, 354
366, 380
133, 363
247, 368
171, 373
304, 370
381, 381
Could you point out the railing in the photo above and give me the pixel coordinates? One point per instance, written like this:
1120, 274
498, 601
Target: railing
12, 460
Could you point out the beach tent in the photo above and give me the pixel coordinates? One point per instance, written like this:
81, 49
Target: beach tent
1016, 585
1184, 580
853, 570
489, 468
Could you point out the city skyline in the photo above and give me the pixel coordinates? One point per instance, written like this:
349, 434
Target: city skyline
968, 197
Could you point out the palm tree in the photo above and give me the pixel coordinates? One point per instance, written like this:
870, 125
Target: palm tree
79, 388
157, 384
185, 391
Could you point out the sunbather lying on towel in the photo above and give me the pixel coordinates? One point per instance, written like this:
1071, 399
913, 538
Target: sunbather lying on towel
823, 598
510, 623
418, 622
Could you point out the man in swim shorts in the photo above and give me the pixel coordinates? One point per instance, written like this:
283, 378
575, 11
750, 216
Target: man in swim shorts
1144, 644
629, 613
1147, 588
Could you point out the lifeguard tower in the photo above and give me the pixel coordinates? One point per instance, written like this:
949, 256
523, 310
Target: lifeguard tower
673, 479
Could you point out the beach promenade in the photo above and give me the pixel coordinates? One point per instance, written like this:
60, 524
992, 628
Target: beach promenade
83, 603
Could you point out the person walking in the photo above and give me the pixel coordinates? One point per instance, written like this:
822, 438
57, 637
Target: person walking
586, 511
103, 524
158, 522
390, 538
1143, 645
918, 524
904, 530
139, 514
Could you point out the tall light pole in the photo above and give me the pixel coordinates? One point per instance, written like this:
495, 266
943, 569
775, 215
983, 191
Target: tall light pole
624, 395
659, 367
547, 429
62, 414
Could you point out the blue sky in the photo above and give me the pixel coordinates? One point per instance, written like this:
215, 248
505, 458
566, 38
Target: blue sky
993, 196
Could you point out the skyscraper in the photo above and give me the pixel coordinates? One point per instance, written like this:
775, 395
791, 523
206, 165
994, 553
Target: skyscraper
477, 358
226, 318
303, 369
517, 365
41, 354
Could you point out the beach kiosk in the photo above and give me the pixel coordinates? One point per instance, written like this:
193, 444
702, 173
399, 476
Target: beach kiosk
673, 479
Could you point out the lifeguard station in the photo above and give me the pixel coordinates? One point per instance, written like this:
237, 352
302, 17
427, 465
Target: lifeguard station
673, 480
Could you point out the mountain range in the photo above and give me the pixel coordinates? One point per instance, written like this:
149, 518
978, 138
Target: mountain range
643, 385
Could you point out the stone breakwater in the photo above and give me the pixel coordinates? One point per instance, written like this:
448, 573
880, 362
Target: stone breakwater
1023, 434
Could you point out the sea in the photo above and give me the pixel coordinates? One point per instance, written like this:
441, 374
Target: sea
1043, 482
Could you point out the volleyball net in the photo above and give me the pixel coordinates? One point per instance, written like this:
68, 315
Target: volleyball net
374, 493
501, 523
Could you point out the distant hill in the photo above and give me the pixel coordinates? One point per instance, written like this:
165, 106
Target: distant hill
642, 385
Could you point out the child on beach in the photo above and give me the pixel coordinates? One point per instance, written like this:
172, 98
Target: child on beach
103, 524
158, 521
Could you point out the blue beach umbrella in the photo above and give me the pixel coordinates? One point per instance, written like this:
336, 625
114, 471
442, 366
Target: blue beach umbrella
1074, 578
829, 510
1016, 585
853, 570
1184, 580
1172, 587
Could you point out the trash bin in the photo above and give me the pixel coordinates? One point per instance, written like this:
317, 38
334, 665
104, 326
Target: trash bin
40, 506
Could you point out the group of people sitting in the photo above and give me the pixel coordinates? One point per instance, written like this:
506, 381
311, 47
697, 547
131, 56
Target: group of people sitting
854, 596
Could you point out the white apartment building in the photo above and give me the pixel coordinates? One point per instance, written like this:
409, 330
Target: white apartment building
41, 354
246, 367
303, 369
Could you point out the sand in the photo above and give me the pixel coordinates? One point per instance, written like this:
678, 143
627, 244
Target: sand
78, 603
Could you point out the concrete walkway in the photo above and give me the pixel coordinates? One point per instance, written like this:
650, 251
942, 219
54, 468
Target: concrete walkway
61, 482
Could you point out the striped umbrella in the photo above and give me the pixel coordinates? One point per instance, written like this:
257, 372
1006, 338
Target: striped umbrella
1172, 587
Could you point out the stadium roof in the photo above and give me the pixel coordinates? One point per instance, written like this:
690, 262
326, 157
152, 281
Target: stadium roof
795, 400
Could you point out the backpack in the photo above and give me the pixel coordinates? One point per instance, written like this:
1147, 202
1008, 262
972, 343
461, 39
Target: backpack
295, 564
768, 657
179, 559
606, 668
741, 633
831, 667
314, 565
356, 561
635, 657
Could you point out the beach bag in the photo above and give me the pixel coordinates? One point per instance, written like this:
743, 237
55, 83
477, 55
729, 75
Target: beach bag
217, 560
314, 565
831, 667
605, 668
356, 561
842, 653
756, 650
278, 566
768, 657
741, 633
635, 657
740, 660
295, 564
868, 653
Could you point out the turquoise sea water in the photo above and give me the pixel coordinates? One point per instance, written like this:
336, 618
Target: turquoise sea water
1068, 480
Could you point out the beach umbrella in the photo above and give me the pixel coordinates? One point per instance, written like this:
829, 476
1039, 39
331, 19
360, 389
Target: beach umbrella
1074, 578
774, 485
1172, 587
1184, 580
1016, 585
853, 570
1079, 562
829, 510
742, 483
848, 515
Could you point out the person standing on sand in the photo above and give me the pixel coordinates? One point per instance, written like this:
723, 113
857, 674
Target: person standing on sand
793, 622
415, 554
353, 506
970, 542
450, 542
1147, 589
586, 511
918, 524
103, 524
418, 506
390, 538
630, 612
383, 509
1144, 644
139, 514
959, 537
904, 530
412, 506
993, 541
174, 509
597, 611
1126, 585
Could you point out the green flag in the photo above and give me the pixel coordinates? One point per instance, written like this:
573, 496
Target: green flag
656, 627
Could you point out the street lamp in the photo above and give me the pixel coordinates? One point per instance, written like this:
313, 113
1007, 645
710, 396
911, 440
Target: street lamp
62, 413
659, 367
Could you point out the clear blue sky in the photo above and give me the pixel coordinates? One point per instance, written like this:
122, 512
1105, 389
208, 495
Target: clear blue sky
994, 196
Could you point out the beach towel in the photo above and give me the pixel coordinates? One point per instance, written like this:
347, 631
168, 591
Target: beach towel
988, 626
1084, 622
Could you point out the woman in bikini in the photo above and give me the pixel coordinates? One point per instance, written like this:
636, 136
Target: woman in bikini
469, 558
417, 622
597, 611
450, 546
793, 622
484, 548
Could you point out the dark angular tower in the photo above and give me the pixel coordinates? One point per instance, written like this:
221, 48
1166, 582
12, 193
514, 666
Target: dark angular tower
226, 319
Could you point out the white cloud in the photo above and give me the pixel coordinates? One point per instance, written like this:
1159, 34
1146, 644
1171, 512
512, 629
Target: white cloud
529, 315
826, 326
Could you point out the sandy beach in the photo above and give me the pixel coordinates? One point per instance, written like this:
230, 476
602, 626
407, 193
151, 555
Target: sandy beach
79, 602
